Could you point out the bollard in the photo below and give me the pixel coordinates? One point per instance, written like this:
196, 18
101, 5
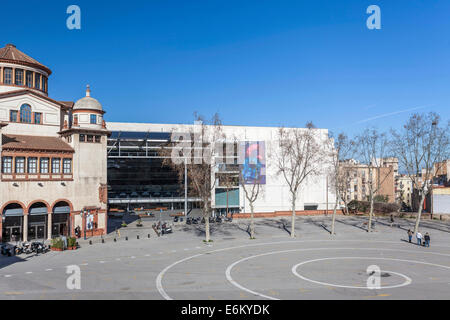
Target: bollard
148, 235
90, 241
103, 240
115, 240
137, 237
126, 238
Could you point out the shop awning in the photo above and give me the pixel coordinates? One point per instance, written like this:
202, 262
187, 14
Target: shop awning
13, 212
38, 210
65, 209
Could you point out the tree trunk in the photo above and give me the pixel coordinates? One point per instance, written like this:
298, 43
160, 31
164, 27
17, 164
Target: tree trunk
293, 218
206, 216
227, 203
369, 226
252, 223
419, 214
345, 211
334, 215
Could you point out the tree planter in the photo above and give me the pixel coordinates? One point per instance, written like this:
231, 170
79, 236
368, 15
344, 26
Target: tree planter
56, 249
71, 248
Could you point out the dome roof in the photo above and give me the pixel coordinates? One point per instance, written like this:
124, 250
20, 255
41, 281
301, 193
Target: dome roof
88, 103
10, 54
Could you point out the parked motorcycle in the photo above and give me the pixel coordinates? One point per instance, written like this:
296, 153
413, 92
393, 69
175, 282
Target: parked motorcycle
165, 229
8, 250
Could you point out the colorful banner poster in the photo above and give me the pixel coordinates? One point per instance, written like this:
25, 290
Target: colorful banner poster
253, 170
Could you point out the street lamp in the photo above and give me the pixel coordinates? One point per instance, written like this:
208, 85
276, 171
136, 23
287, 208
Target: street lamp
85, 219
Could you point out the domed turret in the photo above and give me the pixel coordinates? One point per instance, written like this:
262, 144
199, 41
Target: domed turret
88, 103
88, 112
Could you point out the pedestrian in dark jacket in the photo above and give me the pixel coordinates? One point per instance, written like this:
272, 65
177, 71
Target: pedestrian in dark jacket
427, 239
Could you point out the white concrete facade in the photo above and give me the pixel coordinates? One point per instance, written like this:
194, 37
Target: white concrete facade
276, 195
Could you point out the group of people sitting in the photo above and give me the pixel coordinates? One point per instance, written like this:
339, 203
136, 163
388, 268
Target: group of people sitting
419, 237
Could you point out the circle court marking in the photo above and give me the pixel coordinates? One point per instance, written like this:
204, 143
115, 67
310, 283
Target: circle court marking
160, 276
236, 284
407, 281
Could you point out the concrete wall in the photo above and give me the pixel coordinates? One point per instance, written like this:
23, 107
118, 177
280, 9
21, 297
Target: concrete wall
441, 201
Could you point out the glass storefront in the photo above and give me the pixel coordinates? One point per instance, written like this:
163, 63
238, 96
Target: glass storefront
12, 228
60, 224
37, 227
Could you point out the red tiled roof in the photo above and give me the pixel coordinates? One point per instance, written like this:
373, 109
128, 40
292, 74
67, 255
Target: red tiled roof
11, 54
11, 141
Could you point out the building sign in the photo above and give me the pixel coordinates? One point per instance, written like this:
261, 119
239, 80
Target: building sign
253, 170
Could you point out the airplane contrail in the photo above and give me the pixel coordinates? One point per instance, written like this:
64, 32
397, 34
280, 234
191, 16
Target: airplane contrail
391, 114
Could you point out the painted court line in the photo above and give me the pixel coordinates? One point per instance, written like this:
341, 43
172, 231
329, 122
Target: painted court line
160, 276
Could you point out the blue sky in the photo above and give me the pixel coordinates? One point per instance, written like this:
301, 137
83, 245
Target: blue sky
264, 63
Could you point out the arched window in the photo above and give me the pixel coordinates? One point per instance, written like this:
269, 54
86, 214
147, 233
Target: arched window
25, 113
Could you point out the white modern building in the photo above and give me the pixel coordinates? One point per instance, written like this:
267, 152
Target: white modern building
133, 143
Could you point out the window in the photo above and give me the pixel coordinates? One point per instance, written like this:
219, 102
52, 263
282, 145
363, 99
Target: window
67, 166
29, 79
20, 165
44, 84
32, 165
7, 76
19, 77
56, 165
98, 139
90, 138
38, 118
37, 81
7, 165
25, 113
93, 119
44, 165
13, 116
82, 138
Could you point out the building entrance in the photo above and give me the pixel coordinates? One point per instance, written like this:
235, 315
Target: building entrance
12, 223
37, 227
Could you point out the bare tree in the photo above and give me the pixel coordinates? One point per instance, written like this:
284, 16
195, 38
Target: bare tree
300, 157
372, 146
196, 149
346, 175
252, 192
421, 146
339, 150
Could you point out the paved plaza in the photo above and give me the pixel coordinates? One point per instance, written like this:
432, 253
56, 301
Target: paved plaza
315, 265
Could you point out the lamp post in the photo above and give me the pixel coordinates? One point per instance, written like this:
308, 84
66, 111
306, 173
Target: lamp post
85, 218
185, 188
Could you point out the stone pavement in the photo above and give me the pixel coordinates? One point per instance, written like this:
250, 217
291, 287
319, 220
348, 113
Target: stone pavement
315, 265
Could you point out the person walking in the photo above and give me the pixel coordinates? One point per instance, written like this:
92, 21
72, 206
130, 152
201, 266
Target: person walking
419, 237
427, 239
410, 235
392, 220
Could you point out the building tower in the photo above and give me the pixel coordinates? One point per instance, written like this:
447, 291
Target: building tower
85, 130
